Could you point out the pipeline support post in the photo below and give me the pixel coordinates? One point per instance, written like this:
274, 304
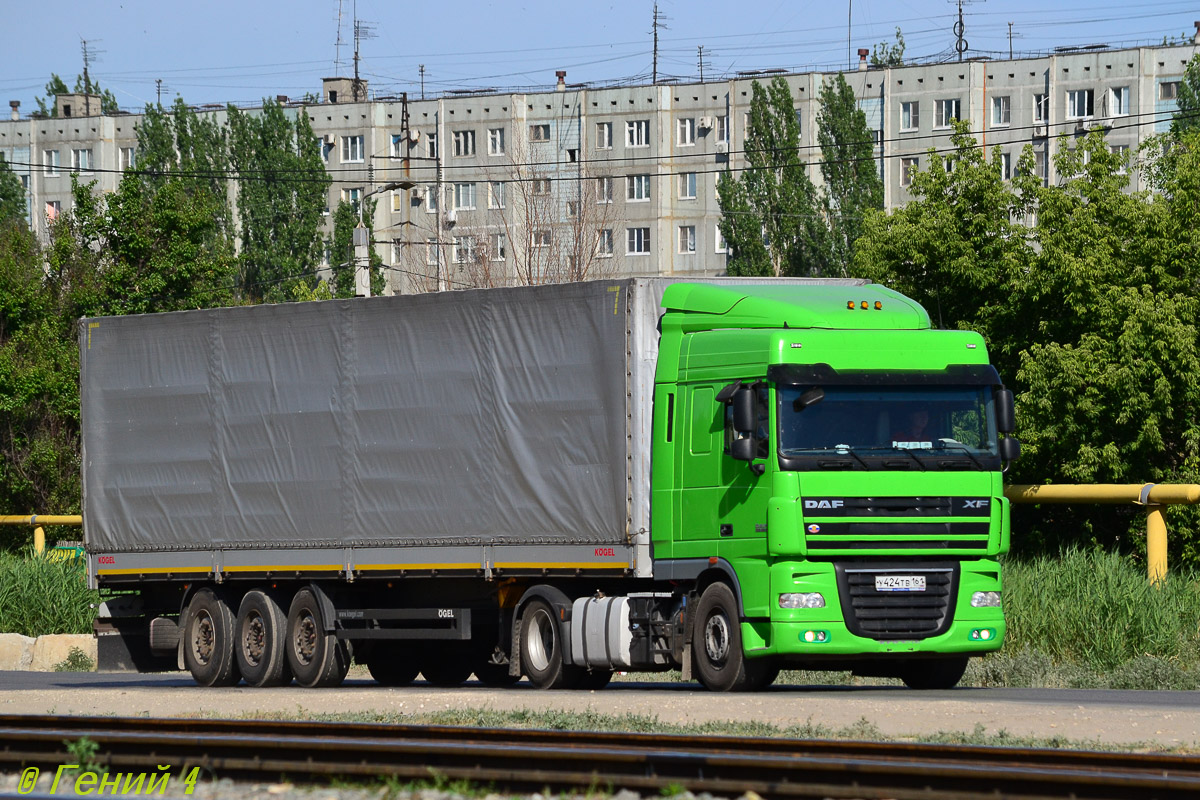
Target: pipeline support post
1156, 544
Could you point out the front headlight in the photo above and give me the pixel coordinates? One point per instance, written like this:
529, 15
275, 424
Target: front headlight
985, 600
802, 600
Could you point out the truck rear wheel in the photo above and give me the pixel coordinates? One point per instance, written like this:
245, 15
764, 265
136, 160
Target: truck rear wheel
717, 652
541, 648
939, 673
208, 640
495, 675
317, 657
389, 666
446, 667
261, 642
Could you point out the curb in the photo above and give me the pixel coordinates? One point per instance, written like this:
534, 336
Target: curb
19, 652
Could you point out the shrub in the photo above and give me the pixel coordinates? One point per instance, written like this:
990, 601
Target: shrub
39, 596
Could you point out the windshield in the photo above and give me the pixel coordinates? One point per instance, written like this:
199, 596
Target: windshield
943, 427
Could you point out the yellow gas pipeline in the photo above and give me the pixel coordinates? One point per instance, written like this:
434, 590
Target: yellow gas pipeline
37, 521
1152, 495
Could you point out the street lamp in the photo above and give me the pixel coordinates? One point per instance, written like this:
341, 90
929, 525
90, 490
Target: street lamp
362, 242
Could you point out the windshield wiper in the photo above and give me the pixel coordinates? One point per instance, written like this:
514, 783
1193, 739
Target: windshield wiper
907, 452
946, 445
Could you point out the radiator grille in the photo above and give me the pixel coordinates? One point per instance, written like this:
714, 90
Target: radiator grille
897, 615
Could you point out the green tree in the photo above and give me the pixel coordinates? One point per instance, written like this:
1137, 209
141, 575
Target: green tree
770, 216
1187, 118
889, 55
281, 194
342, 253
55, 86
848, 165
12, 194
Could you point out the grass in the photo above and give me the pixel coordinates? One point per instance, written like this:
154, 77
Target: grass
76, 661
39, 596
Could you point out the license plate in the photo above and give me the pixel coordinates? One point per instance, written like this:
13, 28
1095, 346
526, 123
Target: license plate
899, 583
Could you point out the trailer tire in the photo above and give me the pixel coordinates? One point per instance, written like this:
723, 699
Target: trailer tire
445, 667
208, 640
389, 667
494, 675
717, 655
317, 657
541, 648
939, 673
260, 641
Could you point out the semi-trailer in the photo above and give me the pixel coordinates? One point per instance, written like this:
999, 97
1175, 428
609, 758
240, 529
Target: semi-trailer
724, 477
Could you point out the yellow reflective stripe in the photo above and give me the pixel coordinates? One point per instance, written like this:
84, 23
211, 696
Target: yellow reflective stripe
560, 565
151, 570
464, 565
282, 568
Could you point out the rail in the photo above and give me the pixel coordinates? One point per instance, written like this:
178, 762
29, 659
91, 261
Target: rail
533, 760
1151, 495
37, 521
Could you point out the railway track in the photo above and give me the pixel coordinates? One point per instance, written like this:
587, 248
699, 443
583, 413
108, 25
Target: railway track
532, 760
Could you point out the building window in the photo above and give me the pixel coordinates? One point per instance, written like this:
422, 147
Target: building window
539, 133
397, 200
723, 129
1006, 166
947, 110
397, 145
495, 194
1168, 90
572, 209
541, 186
352, 195
1001, 110
637, 188
397, 252
721, 245
431, 200
1079, 103
498, 243
604, 190
1041, 107
637, 241
603, 135
799, 116
464, 196
126, 158
637, 133
908, 166
464, 249
687, 186
352, 149
431, 145
1118, 101
1121, 151
1039, 164
541, 238
81, 160
604, 243
496, 141
431, 252
53, 209
687, 239
687, 131
464, 143
50, 161
910, 115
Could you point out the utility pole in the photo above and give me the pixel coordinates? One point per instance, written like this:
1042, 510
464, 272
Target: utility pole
700, 50
158, 91
421, 69
960, 43
654, 31
1010, 41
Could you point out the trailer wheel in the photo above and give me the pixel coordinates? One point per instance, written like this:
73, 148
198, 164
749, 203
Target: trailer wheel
261, 642
208, 640
494, 675
940, 673
717, 646
317, 657
445, 667
541, 648
389, 666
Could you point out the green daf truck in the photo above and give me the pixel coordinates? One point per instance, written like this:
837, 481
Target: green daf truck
725, 477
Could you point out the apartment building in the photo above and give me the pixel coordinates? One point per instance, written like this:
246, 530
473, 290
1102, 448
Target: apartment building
489, 188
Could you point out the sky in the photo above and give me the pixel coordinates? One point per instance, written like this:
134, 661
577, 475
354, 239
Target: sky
219, 51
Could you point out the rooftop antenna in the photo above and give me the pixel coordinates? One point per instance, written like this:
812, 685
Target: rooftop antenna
654, 30
960, 28
700, 51
337, 45
362, 30
90, 54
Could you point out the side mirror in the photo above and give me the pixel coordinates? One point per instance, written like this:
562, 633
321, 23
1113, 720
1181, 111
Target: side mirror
809, 398
1006, 417
1010, 449
745, 410
743, 449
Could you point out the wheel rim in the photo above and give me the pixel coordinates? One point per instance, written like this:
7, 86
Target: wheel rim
305, 640
254, 639
716, 639
203, 638
539, 640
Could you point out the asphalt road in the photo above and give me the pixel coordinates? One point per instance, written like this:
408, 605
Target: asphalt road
1170, 719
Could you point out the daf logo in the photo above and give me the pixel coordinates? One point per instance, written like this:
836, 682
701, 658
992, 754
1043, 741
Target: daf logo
824, 503
975, 503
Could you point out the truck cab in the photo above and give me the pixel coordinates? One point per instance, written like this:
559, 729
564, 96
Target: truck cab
834, 466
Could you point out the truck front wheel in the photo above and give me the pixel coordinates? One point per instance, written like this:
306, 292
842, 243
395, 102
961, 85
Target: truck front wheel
317, 657
261, 643
939, 673
541, 648
208, 640
717, 646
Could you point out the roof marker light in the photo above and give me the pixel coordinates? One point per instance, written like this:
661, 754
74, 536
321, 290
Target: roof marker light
878, 305
864, 305
850, 304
